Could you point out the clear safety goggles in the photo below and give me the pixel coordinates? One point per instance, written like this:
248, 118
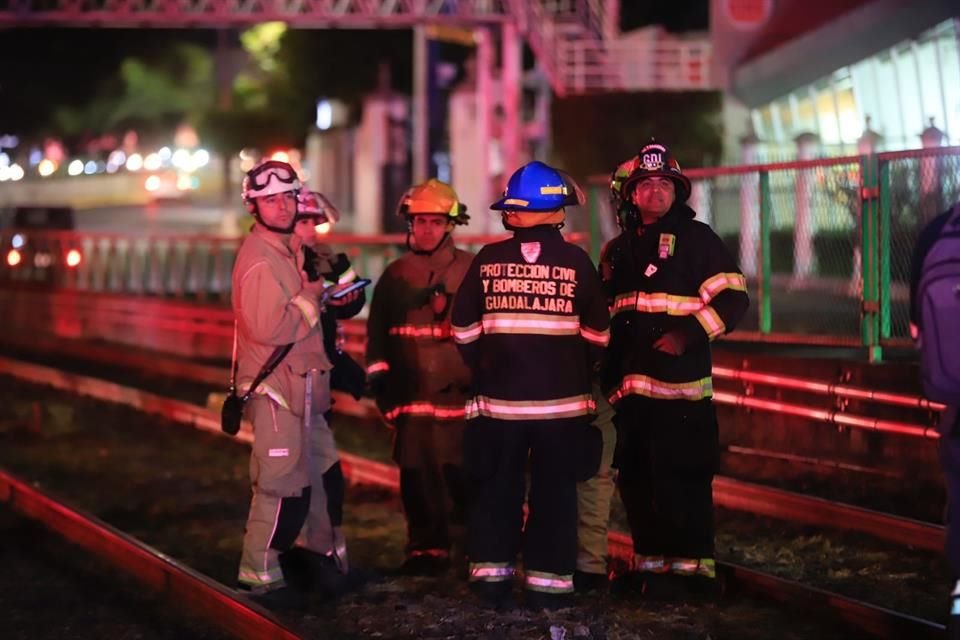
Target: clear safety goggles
261, 175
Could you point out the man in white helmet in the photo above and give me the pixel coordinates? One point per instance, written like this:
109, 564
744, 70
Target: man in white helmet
276, 304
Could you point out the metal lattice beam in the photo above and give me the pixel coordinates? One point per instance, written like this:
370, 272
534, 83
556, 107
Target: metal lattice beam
220, 13
575, 41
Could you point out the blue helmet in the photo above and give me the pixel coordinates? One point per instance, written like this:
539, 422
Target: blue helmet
539, 187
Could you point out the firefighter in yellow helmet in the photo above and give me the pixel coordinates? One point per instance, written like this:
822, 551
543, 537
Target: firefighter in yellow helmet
416, 374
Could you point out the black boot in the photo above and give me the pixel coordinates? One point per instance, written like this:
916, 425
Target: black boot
538, 600
627, 585
494, 595
664, 586
585, 581
309, 571
424, 564
284, 598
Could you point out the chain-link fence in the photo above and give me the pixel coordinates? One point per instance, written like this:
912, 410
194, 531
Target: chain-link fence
825, 244
916, 189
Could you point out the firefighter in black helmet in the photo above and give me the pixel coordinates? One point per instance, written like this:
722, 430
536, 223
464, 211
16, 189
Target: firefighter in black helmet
673, 287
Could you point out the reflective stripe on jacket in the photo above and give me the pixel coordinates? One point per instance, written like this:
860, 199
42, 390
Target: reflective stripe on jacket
531, 321
675, 276
272, 310
409, 338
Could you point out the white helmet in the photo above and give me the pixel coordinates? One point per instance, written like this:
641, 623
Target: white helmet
268, 178
313, 204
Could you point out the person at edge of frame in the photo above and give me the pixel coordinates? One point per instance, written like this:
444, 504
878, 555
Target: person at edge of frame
934, 291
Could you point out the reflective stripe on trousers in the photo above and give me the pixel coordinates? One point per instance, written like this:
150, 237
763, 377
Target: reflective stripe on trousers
491, 571
548, 582
706, 567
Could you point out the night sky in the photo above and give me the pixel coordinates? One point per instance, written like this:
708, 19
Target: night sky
41, 68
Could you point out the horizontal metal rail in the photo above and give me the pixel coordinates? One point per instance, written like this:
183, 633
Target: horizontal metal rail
830, 416
727, 492
357, 335
877, 621
825, 388
190, 590
351, 14
787, 505
162, 320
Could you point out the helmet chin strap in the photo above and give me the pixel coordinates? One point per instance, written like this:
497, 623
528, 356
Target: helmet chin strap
511, 227
284, 230
421, 252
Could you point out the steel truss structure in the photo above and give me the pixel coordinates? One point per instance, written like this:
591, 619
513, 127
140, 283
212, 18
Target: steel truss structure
576, 42
353, 14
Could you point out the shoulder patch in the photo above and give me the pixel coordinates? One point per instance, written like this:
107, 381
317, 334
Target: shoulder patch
530, 251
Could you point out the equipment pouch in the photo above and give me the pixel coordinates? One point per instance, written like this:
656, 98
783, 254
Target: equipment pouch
231, 414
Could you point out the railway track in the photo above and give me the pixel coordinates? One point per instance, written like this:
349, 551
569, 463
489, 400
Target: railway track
875, 620
176, 583
729, 492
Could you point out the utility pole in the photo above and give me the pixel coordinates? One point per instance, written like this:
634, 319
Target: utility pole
419, 114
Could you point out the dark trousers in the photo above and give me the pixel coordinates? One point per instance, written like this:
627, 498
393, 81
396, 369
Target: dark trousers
433, 500
667, 455
497, 453
950, 463
432, 486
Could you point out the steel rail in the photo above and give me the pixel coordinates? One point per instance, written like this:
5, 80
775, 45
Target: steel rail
830, 416
788, 505
727, 492
196, 593
826, 388
207, 374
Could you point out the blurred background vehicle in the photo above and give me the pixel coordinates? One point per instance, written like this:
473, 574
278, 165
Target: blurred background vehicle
32, 245
170, 185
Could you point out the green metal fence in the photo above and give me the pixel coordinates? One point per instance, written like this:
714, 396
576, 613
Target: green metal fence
825, 244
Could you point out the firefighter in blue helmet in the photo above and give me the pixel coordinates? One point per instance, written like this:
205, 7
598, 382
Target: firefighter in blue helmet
673, 287
531, 321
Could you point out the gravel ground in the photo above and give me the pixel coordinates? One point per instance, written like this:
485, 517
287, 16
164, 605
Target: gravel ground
44, 575
185, 492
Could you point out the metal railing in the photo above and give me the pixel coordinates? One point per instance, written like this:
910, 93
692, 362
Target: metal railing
193, 267
666, 65
826, 244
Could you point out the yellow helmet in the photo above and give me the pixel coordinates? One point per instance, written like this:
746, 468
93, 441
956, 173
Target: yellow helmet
433, 198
